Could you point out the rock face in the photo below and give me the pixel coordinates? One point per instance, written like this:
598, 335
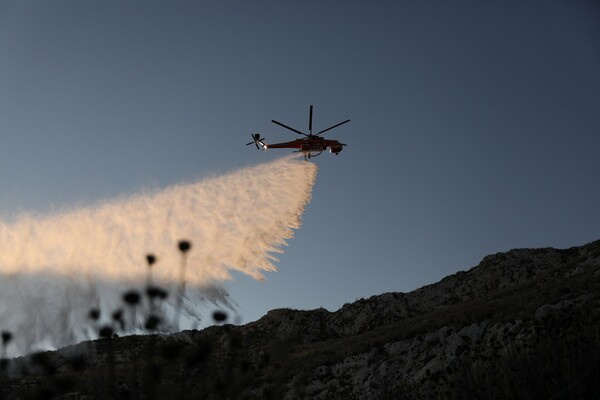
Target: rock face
522, 324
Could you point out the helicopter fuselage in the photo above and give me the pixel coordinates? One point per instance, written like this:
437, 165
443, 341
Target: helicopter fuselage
309, 146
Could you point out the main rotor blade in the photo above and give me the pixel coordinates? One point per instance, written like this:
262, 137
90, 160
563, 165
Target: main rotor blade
310, 121
334, 126
287, 127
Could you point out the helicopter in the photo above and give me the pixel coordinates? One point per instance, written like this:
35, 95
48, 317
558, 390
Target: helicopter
311, 146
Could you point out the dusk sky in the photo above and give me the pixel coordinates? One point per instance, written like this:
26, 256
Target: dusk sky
475, 126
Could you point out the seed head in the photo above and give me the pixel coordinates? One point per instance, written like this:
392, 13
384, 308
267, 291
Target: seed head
151, 259
106, 331
6, 337
219, 316
154, 292
184, 246
131, 297
117, 315
162, 294
94, 314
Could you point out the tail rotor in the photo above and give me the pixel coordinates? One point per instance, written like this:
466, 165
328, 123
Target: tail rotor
256, 139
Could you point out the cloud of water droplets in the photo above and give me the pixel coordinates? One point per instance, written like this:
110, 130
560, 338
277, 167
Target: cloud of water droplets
55, 268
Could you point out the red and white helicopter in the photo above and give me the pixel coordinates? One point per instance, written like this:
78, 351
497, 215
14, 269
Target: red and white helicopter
311, 146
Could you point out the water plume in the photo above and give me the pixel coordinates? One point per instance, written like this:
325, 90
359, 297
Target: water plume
55, 268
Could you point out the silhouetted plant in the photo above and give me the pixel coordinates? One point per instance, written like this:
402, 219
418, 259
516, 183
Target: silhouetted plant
151, 259
6, 339
154, 292
219, 316
155, 296
106, 332
132, 299
152, 322
94, 314
184, 246
117, 317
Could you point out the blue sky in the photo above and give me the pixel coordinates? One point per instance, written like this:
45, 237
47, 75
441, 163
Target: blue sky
475, 125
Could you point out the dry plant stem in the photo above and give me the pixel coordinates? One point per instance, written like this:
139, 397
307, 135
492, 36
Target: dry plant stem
181, 290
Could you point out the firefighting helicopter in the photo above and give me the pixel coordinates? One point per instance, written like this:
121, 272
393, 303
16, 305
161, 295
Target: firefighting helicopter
311, 146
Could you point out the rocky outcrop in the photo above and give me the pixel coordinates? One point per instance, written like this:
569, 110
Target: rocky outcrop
521, 324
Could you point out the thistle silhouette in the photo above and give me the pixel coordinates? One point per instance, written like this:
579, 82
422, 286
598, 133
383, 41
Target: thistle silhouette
6, 339
150, 292
132, 300
106, 332
219, 316
156, 293
117, 317
150, 260
94, 315
184, 247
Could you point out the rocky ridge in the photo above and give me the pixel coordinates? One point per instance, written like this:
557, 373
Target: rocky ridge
521, 324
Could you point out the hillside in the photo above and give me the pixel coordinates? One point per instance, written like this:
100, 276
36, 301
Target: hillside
524, 324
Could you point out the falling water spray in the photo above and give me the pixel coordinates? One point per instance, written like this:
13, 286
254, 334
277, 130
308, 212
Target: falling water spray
55, 268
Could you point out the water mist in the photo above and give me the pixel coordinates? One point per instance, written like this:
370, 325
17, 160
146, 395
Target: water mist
55, 268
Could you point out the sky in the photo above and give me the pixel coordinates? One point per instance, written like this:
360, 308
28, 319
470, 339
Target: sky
475, 126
